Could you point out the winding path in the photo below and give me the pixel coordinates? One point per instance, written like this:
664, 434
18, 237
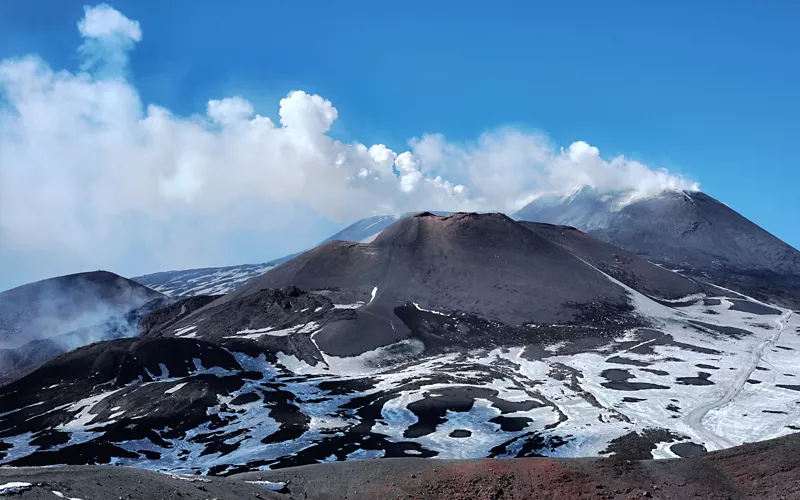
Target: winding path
694, 419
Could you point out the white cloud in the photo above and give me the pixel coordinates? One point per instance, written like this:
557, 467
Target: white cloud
410, 175
105, 22
229, 110
108, 37
507, 169
88, 172
307, 114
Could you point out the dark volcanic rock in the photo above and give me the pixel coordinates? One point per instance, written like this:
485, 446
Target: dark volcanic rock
702, 378
638, 445
752, 307
162, 318
620, 380
687, 449
227, 321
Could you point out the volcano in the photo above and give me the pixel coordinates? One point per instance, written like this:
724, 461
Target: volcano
460, 336
59, 305
41, 320
684, 230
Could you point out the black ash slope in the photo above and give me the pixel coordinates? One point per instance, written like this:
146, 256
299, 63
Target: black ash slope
622, 265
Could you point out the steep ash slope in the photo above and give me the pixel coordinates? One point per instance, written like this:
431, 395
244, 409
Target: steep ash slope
363, 229
620, 264
485, 265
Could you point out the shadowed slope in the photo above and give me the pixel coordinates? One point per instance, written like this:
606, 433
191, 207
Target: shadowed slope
620, 264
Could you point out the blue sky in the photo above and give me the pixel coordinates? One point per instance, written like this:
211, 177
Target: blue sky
707, 90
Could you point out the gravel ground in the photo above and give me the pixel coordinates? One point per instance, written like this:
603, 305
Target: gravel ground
766, 470
124, 483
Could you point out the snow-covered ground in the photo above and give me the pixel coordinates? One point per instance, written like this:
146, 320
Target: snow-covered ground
710, 373
211, 281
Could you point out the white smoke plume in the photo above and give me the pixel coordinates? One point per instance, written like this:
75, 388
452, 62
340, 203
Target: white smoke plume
94, 176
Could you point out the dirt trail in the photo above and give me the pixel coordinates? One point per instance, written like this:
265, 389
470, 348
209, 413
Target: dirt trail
694, 419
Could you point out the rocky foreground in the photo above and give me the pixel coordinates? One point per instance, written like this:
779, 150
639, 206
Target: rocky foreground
765, 470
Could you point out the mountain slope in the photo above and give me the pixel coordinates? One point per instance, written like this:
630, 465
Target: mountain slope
59, 305
620, 264
465, 336
687, 230
184, 401
206, 281
41, 320
363, 229
220, 280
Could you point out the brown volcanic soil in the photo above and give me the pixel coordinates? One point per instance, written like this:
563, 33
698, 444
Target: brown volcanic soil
93, 482
766, 470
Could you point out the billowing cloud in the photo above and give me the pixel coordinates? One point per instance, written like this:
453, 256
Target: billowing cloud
108, 36
506, 169
89, 173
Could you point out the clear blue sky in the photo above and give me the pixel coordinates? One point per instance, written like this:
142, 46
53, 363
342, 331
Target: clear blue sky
708, 89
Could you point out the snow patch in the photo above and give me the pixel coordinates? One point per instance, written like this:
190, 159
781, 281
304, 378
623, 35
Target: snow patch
175, 389
61, 495
429, 310
84, 408
269, 485
349, 306
14, 487
181, 331
309, 327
